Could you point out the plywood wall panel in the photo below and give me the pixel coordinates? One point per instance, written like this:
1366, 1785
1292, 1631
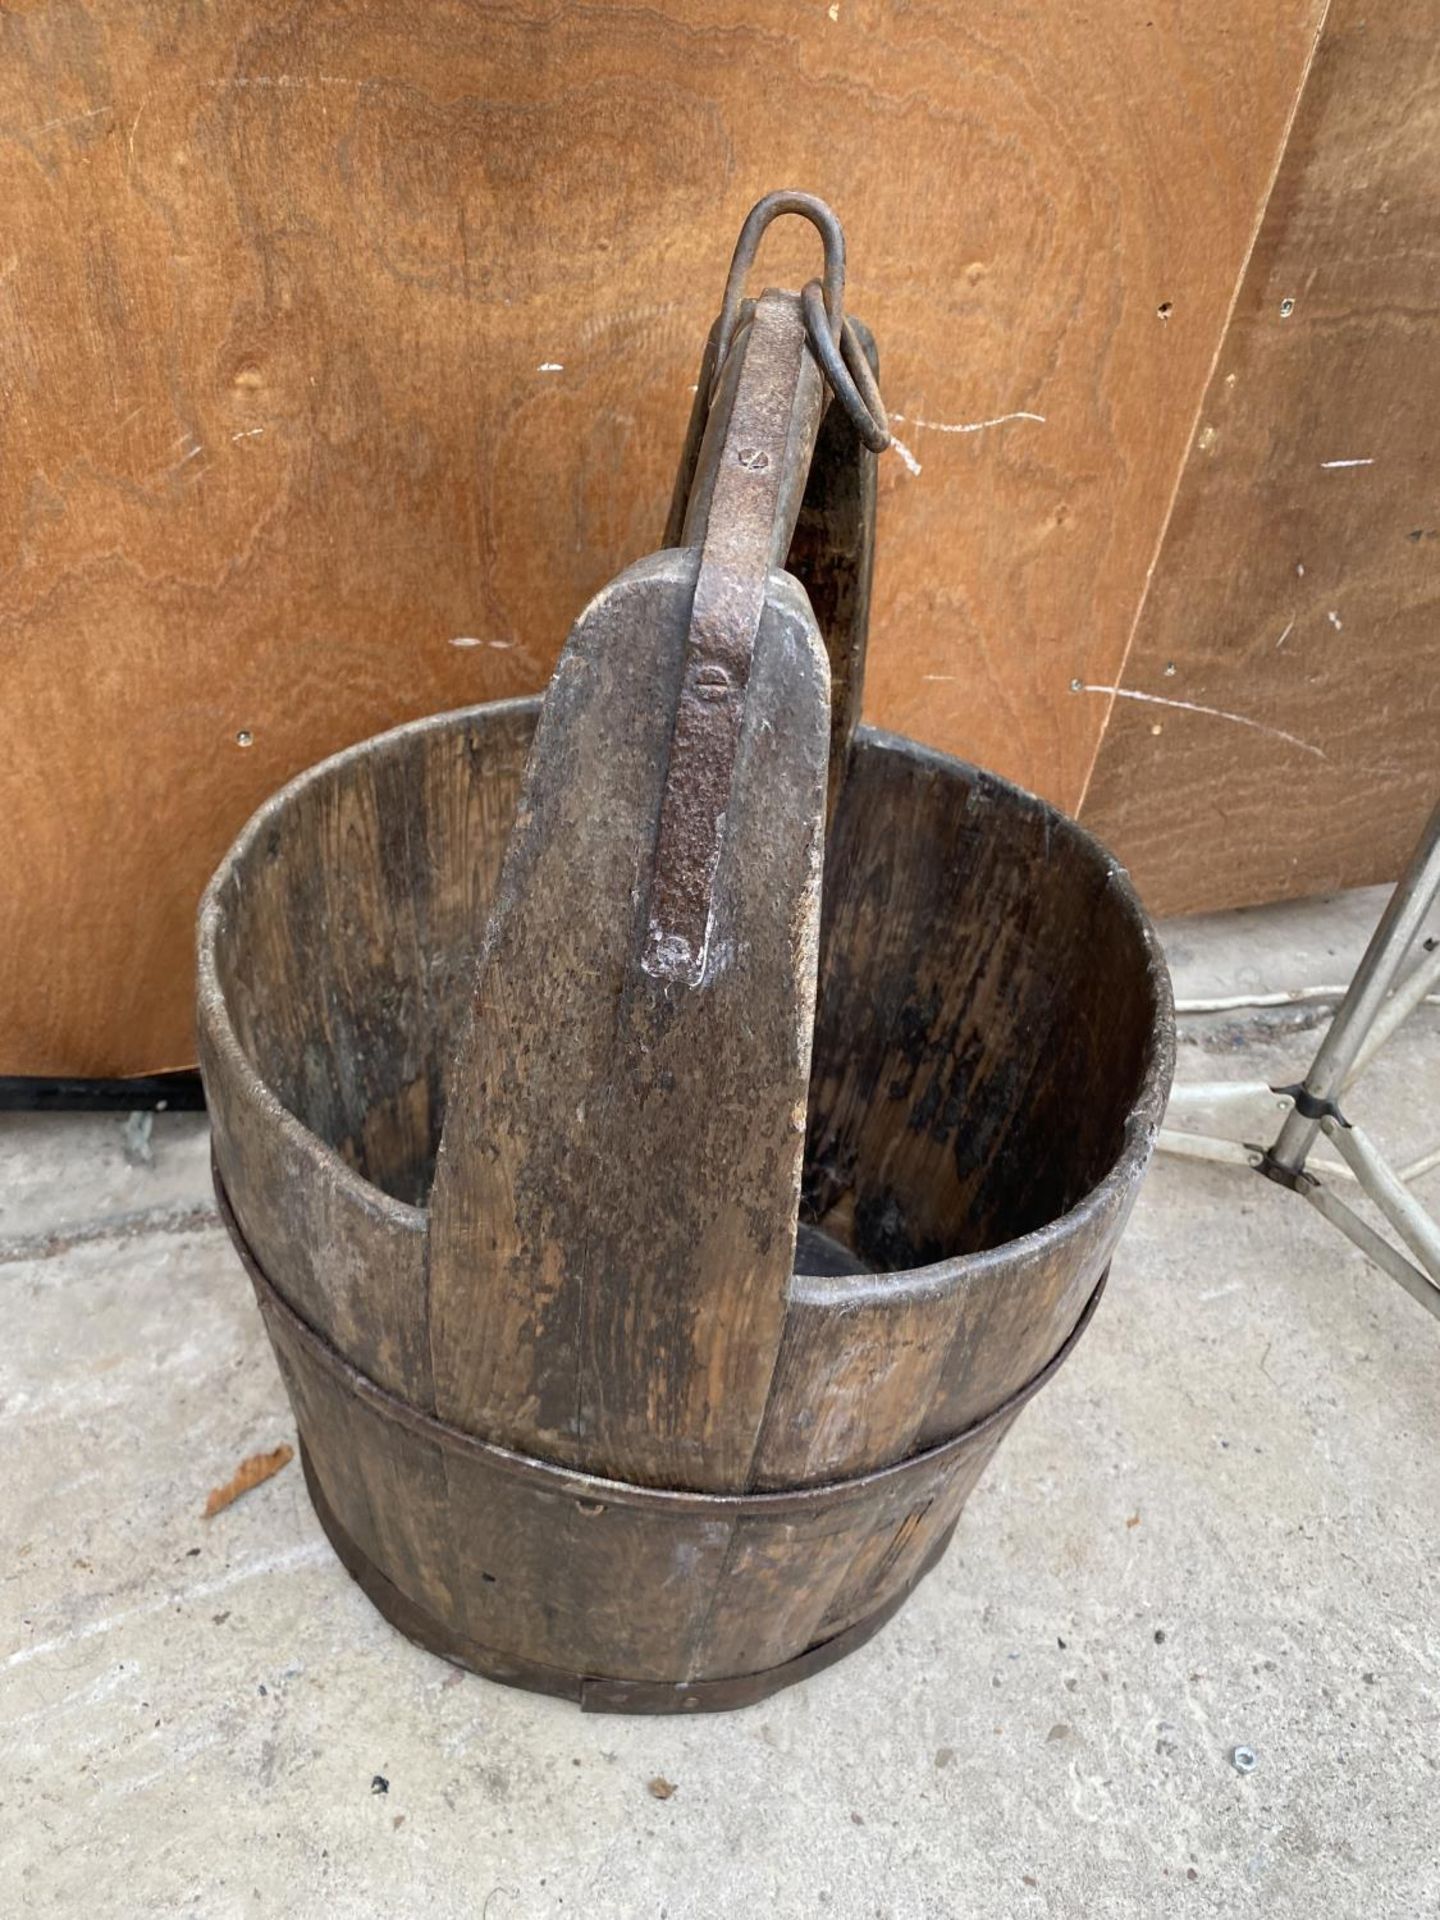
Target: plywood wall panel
346, 350
1295, 608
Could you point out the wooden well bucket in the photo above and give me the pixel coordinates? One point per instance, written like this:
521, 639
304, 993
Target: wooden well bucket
992, 1054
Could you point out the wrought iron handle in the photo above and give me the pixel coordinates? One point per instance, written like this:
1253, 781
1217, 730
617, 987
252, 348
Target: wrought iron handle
832, 338
832, 550
760, 216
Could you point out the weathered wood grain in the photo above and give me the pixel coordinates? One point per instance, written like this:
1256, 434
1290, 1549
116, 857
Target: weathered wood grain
1280, 728
992, 1053
833, 557
988, 1011
336, 960
990, 1063
346, 352
554, 1579
974, 1211
613, 1217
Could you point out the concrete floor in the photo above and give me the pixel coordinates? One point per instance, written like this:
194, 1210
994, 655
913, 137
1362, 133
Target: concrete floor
1220, 1527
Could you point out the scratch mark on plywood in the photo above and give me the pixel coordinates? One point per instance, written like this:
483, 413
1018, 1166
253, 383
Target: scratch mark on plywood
907, 457
242, 80
1214, 713
68, 120
967, 426
1346, 463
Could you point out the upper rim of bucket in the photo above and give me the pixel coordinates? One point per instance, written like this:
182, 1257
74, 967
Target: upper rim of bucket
1121, 1178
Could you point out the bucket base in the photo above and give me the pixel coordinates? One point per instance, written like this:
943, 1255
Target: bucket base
592, 1692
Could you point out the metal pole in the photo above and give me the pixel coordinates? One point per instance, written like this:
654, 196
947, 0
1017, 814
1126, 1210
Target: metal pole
1206, 1146
1389, 1259
1391, 940
1390, 1194
1397, 1009
1426, 1163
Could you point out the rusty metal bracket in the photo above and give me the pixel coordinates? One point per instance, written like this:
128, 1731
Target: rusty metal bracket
755, 458
738, 497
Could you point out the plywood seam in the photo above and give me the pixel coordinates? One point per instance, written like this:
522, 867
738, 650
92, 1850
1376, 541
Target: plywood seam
1205, 389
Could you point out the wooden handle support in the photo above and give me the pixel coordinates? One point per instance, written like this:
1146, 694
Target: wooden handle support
832, 548
612, 1224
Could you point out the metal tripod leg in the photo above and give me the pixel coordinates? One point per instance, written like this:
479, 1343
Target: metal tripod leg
1365, 1019
1402, 919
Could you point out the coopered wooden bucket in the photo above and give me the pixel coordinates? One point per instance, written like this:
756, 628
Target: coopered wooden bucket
992, 1053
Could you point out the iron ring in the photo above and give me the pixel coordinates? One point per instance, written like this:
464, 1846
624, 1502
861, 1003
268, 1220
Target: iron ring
846, 369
